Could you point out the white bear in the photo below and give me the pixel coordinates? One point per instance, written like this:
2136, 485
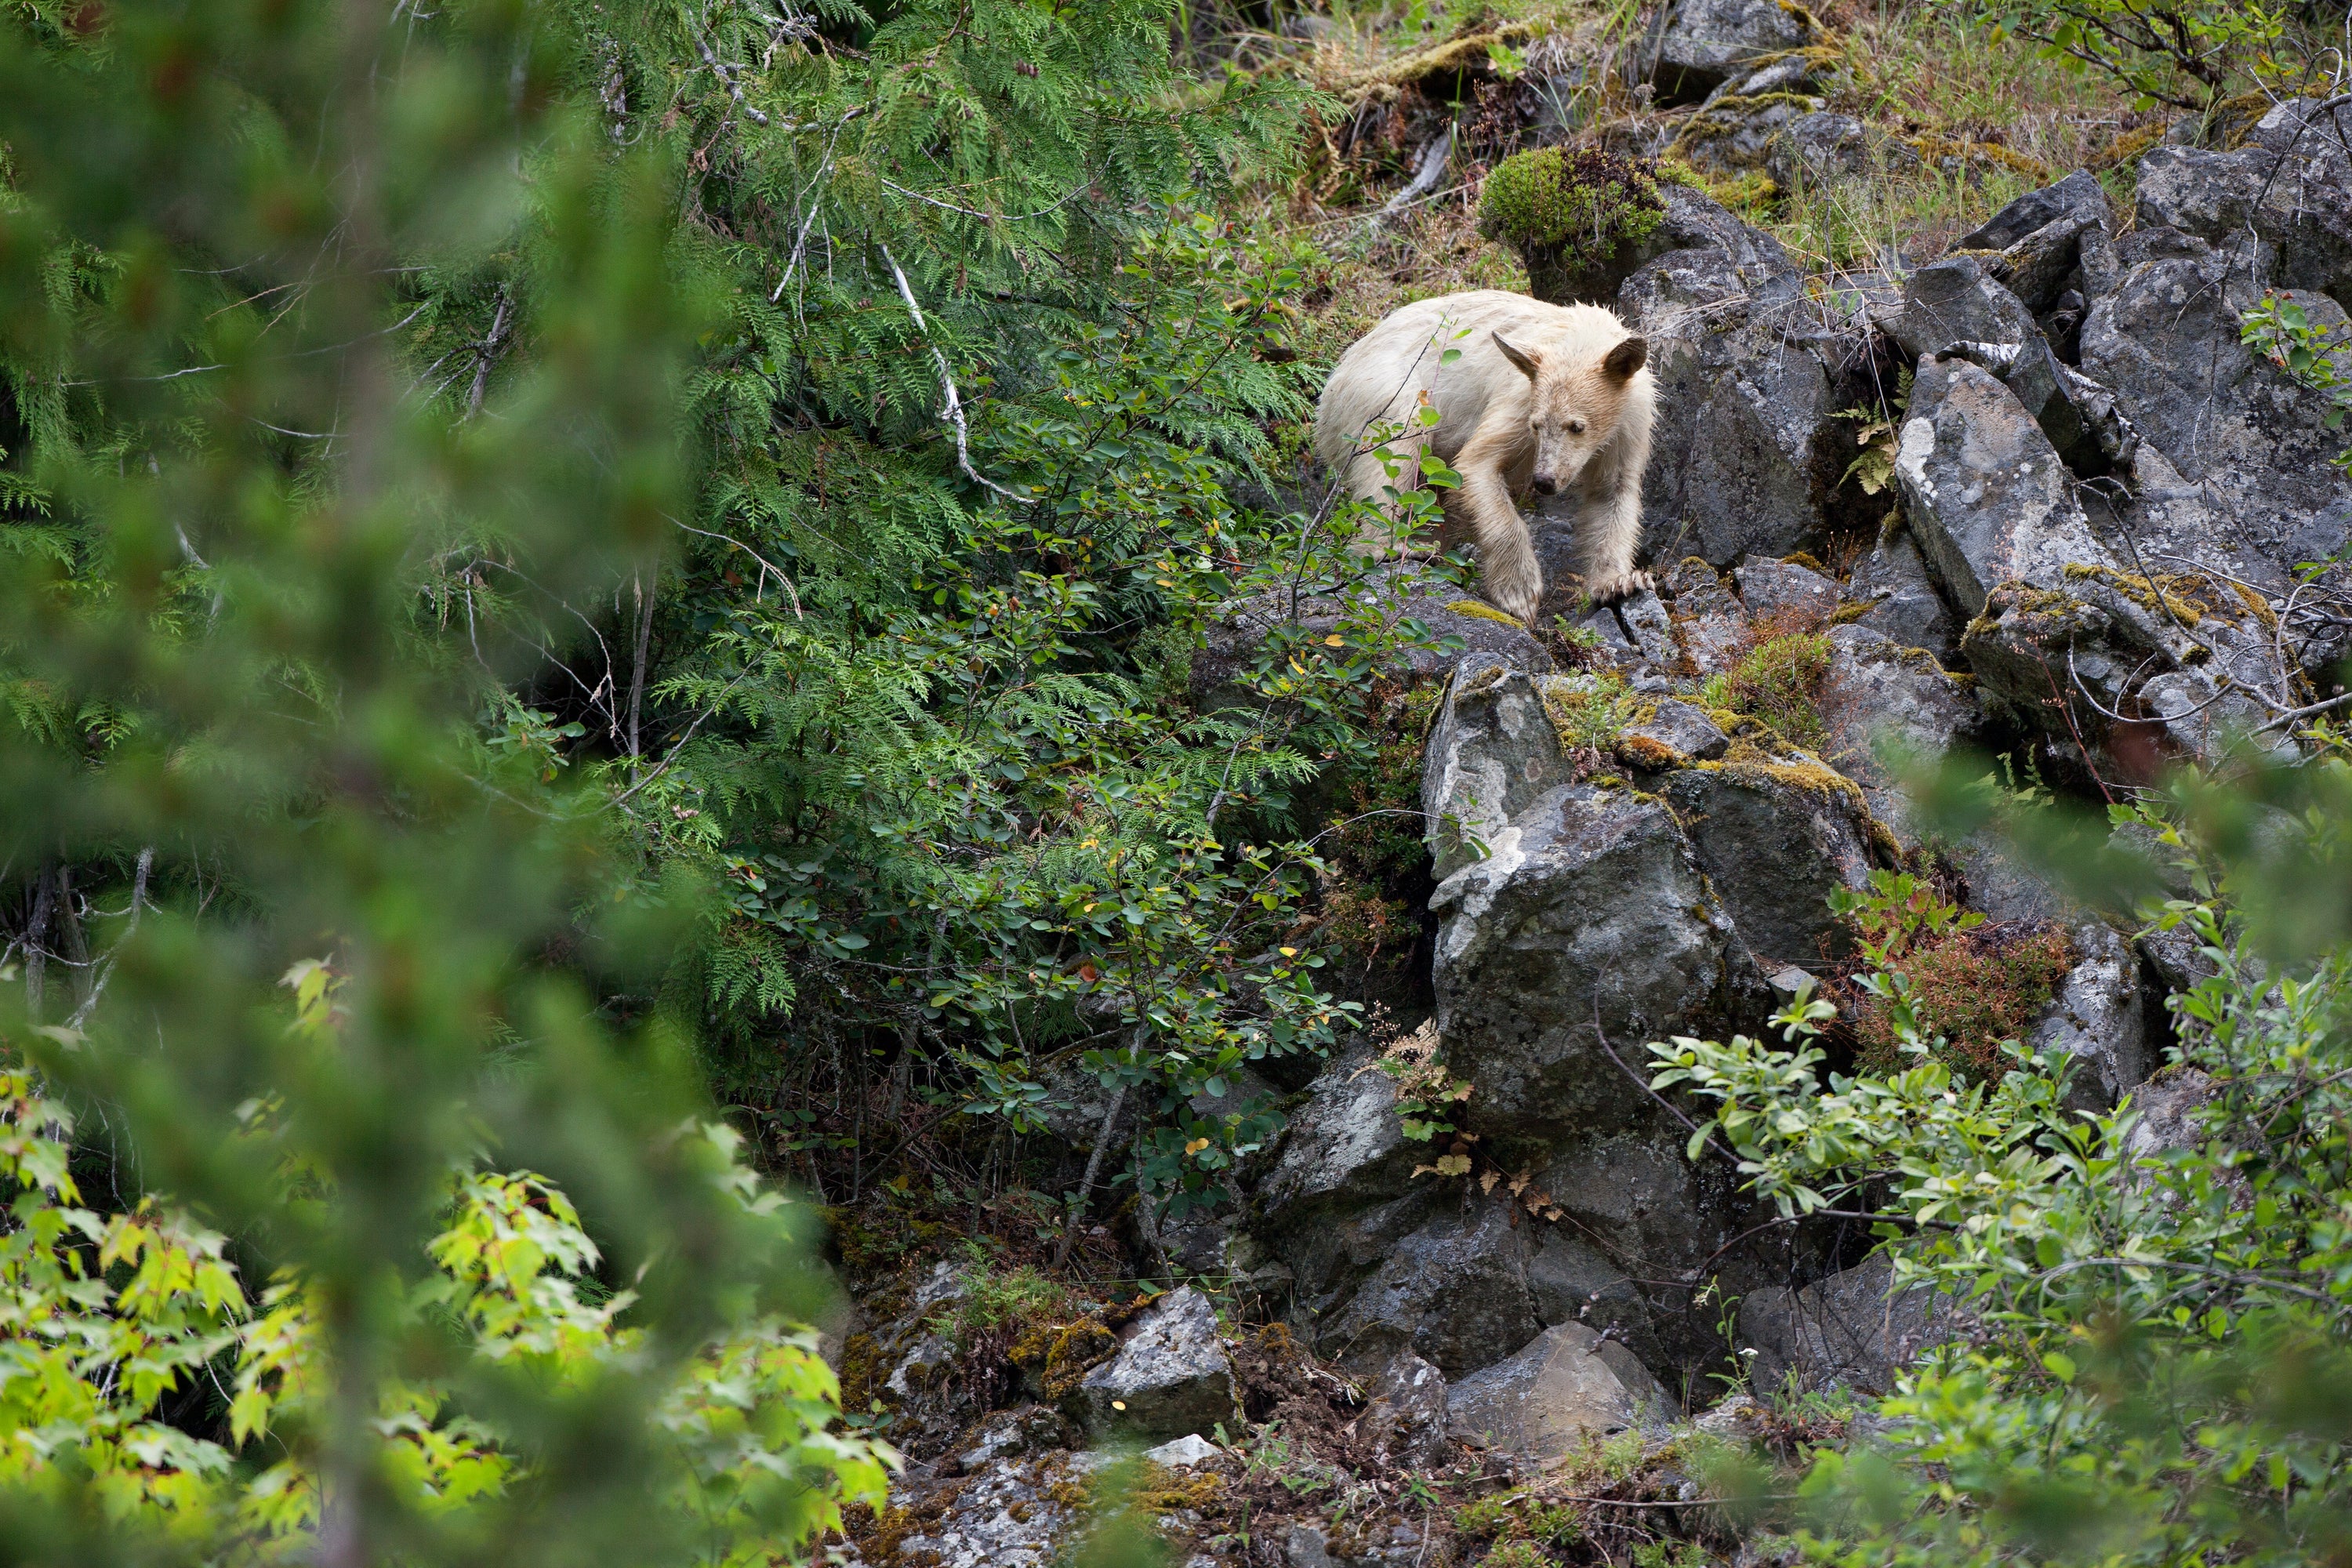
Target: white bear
1543, 399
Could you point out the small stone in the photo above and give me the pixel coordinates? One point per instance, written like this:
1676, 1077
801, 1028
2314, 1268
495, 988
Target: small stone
1182, 1452
1686, 730
1784, 588
2096, 1018
1171, 1377
1568, 1386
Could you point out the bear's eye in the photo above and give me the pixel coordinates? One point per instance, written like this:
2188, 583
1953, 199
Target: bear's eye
1576, 426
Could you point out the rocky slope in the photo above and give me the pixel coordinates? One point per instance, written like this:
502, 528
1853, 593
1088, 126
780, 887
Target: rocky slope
2106, 503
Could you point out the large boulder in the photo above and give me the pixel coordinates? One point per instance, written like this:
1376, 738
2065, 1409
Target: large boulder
1849, 1329
1565, 1389
1454, 1292
1746, 453
1776, 840
2251, 442
1171, 1377
1589, 918
1705, 41
1984, 489
2290, 186
1492, 750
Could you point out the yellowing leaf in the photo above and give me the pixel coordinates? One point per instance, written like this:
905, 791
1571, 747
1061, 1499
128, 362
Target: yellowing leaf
1196, 1145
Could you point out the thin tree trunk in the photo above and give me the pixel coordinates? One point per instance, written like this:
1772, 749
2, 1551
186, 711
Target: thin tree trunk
37, 937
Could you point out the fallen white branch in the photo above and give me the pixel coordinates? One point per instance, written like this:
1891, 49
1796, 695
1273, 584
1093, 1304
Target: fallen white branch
953, 412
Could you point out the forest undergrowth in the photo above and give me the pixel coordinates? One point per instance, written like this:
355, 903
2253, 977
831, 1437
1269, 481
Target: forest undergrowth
601, 622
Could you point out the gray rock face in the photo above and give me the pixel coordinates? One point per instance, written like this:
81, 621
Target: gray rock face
2095, 1019
1955, 302
1008, 1514
1590, 907
1904, 604
1707, 40
2253, 444
1781, 588
1753, 482
1775, 842
1741, 455
1566, 1387
1880, 693
2290, 186
1984, 488
1494, 750
1170, 1378
1407, 1417
1844, 1331
1343, 1147
1710, 623
1454, 1292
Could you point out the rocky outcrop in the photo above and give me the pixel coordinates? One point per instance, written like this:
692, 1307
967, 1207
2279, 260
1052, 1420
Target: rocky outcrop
2090, 551
1746, 453
1566, 1388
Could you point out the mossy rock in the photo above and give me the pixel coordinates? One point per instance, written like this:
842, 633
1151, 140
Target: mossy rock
1580, 219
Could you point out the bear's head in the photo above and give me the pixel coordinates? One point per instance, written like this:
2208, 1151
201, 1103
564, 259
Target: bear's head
1578, 400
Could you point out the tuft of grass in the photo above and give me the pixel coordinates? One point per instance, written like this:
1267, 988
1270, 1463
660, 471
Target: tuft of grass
1778, 682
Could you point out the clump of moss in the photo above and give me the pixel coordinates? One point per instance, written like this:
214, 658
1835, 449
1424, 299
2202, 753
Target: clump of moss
1649, 753
1062, 1353
1573, 215
1589, 709
1478, 609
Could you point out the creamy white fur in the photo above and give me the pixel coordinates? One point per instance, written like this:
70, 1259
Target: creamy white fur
1503, 426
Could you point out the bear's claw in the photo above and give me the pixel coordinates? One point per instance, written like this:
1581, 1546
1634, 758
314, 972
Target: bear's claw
1622, 585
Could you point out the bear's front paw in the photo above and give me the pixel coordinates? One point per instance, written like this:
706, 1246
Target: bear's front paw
1608, 590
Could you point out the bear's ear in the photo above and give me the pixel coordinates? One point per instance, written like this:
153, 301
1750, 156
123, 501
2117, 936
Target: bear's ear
1528, 363
1627, 357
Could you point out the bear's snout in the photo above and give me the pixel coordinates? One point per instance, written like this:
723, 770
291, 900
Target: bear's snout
1546, 485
